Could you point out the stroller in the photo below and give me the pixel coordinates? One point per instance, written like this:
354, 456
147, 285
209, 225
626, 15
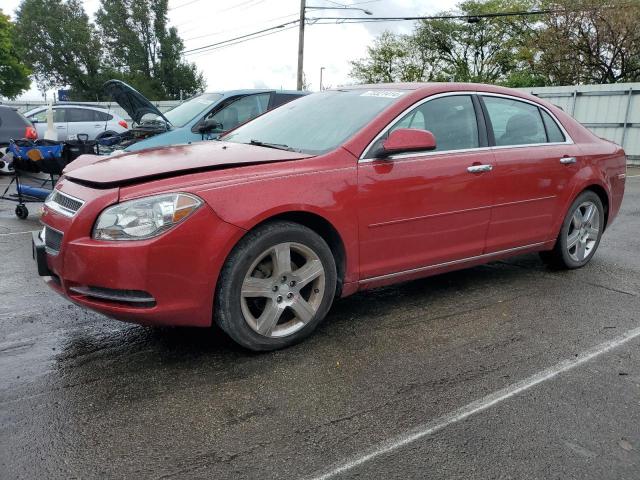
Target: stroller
40, 156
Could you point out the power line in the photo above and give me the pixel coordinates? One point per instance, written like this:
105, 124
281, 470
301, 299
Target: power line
204, 52
238, 28
437, 17
253, 34
333, 20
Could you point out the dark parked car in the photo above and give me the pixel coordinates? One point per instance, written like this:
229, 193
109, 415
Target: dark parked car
13, 125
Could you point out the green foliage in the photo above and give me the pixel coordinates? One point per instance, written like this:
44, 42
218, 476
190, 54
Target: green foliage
393, 58
60, 45
130, 42
14, 75
582, 41
590, 41
141, 50
486, 51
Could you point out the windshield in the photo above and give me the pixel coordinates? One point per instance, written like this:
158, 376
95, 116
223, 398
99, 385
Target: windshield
185, 112
316, 123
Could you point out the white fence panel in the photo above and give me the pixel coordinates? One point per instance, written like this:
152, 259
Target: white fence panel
609, 111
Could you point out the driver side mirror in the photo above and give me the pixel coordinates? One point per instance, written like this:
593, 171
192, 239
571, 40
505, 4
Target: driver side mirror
404, 140
209, 125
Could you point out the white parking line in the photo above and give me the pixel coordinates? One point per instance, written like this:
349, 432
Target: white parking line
478, 405
633, 176
17, 233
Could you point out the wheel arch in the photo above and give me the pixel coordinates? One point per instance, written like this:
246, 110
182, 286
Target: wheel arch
322, 227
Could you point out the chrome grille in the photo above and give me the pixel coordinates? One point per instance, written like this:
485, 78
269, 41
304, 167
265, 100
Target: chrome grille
63, 203
52, 240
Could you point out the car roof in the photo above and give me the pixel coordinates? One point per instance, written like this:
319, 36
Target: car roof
441, 87
74, 105
249, 91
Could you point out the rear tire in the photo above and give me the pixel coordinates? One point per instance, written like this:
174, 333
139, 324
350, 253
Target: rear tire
276, 286
580, 234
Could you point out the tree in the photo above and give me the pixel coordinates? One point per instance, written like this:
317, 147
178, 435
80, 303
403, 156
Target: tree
489, 50
578, 41
589, 41
60, 45
140, 49
14, 74
393, 58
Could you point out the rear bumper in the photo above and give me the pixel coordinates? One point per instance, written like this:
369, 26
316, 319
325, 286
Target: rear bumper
167, 280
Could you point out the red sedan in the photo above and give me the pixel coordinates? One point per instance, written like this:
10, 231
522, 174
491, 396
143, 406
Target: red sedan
333, 193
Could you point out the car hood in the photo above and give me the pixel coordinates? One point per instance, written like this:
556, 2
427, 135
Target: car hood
132, 101
152, 164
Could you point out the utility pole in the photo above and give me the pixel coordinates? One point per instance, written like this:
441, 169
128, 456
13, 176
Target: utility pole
303, 7
321, 69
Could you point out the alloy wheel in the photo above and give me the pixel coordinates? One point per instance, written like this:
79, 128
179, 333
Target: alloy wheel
282, 290
584, 231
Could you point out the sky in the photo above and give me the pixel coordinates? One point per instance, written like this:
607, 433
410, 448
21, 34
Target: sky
271, 61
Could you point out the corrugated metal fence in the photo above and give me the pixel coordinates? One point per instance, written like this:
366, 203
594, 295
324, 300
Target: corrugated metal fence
610, 111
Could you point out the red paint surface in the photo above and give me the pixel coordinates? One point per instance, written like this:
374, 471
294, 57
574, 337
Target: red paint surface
393, 216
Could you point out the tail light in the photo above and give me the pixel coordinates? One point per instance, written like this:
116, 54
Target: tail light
30, 133
123, 124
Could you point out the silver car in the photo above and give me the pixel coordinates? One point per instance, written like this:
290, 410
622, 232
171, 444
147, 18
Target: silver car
69, 120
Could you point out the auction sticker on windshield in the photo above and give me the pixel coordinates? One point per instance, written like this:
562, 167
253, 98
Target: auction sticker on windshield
382, 93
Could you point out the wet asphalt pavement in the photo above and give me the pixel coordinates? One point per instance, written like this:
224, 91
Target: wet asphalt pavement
82, 396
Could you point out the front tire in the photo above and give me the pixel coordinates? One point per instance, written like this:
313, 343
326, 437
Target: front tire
276, 286
580, 234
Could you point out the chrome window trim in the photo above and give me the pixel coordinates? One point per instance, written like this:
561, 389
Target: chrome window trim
62, 210
363, 159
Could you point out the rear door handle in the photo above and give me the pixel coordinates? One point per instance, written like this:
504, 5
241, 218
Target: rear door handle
479, 168
568, 160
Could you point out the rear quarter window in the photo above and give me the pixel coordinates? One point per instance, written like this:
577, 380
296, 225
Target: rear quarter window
554, 133
102, 116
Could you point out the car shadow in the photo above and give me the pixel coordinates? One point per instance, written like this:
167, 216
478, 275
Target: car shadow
184, 346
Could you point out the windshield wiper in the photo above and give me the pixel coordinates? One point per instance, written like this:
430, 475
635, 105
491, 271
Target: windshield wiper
277, 146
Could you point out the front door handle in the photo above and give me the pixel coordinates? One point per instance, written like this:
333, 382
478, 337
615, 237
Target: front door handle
568, 160
479, 168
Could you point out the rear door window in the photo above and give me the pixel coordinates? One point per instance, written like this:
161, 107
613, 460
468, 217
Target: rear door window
515, 122
80, 115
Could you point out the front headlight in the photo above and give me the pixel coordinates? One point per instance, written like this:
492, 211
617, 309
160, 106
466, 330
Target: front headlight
144, 217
